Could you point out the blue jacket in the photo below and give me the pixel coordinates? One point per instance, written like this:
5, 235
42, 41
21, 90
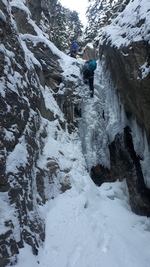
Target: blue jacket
73, 47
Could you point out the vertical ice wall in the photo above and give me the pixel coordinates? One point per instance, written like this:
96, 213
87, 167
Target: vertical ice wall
102, 118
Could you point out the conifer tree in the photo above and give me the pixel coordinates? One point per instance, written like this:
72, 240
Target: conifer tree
101, 13
60, 24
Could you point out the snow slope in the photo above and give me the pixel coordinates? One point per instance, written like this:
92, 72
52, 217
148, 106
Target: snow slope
95, 228
89, 226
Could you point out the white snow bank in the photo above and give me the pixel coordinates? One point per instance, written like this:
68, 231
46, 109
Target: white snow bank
93, 228
20, 4
2, 16
17, 158
131, 25
90, 45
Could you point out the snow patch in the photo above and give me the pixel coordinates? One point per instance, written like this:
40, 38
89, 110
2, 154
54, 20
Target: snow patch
20, 4
18, 157
145, 70
2, 16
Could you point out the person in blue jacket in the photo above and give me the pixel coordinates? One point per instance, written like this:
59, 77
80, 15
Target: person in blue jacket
73, 49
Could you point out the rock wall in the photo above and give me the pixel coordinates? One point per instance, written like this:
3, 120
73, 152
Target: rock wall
20, 121
125, 52
125, 48
125, 66
27, 67
89, 52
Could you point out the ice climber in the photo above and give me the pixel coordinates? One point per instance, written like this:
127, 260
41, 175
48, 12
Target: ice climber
88, 74
73, 49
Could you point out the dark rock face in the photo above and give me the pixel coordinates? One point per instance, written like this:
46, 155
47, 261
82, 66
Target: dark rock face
125, 164
23, 107
51, 70
50, 74
35, 8
18, 126
90, 53
69, 102
124, 65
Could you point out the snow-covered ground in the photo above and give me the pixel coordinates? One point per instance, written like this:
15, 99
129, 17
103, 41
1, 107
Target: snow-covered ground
89, 226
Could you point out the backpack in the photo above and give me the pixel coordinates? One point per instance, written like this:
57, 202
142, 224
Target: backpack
92, 64
85, 67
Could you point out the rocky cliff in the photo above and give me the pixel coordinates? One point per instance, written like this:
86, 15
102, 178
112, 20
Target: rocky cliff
29, 65
125, 52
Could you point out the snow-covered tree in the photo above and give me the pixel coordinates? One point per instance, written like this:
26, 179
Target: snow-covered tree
60, 23
100, 13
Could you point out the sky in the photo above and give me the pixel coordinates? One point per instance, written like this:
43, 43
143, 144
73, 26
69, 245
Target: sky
78, 5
